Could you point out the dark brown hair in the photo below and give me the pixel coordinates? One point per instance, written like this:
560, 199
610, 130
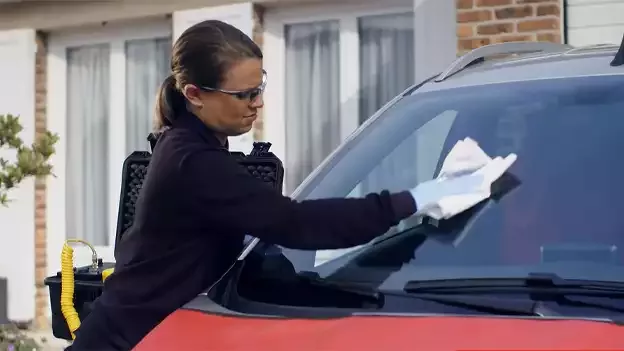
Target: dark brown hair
201, 56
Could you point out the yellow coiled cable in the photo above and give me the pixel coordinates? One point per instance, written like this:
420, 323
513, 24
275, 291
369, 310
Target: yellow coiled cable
107, 272
67, 283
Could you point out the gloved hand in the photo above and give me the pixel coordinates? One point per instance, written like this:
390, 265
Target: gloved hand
447, 196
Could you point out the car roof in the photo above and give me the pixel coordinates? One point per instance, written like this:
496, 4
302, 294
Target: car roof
555, 62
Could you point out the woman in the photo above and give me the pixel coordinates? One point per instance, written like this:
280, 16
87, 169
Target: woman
197, 203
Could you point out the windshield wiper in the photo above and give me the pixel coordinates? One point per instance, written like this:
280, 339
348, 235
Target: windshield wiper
491, 305
486, 305
540, 287
516, 307
458, 293
538, 282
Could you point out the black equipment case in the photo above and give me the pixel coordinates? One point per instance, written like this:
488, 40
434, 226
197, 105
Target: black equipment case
88, 285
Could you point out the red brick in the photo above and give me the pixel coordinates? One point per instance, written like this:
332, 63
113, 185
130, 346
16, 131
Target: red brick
464, 4
470, 44
39, 216
508, 38
465, 30
474, 16
536, 25
534, 1
40, 260
550, 37
548, 10
496, 28
514, 12
486, 3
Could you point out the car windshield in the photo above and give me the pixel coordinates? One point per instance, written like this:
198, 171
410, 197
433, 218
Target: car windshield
566, 216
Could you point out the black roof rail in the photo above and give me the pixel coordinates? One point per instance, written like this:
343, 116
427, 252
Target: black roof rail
618, 60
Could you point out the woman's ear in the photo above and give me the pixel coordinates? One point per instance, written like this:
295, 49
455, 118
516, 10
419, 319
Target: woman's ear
192, 94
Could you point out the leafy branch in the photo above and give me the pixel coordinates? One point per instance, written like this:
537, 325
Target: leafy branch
14, 339
30, 161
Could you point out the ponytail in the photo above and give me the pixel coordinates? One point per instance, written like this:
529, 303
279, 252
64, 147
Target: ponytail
170, 102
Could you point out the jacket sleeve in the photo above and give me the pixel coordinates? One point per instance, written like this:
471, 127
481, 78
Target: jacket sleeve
225, 195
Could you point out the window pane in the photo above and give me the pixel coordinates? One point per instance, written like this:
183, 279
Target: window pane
87, 143
147, 65
386, 69
312, 97
386, 59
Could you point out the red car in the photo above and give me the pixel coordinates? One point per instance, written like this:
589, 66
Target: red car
540, 266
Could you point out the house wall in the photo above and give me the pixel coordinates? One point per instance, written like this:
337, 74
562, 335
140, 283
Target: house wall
595, 22
17, 256
53, 14
479, 22
41, 319
483, 22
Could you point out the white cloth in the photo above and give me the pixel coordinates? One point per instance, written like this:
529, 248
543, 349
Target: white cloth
465, 180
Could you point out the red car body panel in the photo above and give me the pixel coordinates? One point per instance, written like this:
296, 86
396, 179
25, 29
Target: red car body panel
192, 330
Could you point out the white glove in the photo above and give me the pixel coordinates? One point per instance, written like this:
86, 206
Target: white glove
447, 196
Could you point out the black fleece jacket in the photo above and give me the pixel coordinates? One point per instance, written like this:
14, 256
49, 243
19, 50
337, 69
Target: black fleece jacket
194, 209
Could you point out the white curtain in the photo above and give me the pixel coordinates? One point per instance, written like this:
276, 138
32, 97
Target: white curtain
312, 97
386, 70
147, 65
87, 143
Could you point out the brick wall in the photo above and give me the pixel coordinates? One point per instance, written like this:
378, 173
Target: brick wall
41, 297
258, 29
483, 22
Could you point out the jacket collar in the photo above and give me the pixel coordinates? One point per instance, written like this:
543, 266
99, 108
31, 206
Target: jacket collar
189, 121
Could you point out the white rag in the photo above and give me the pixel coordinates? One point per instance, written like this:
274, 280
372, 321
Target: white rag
467, 158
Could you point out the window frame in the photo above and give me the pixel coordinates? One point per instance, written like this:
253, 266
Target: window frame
275, 61
116, 35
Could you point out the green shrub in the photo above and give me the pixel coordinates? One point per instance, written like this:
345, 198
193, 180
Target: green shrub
14, 339
30, 161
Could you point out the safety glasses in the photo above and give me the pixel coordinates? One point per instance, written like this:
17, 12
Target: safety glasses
249, 94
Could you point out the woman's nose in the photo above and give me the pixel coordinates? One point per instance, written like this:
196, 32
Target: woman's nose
258, 102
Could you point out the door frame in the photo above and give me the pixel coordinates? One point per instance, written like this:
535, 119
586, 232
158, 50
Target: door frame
274, 61
116, 34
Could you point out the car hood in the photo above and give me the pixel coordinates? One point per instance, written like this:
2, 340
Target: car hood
192, 330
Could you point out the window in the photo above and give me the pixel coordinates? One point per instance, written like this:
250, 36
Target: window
88, 86
338, 68
102, 86
147, 65
312, 96
561, 217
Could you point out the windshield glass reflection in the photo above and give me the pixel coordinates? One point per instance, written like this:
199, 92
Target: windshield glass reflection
565, 216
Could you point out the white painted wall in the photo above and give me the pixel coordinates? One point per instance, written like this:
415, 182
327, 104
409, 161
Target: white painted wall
595, 22
59, 41
237, 15
17, 231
